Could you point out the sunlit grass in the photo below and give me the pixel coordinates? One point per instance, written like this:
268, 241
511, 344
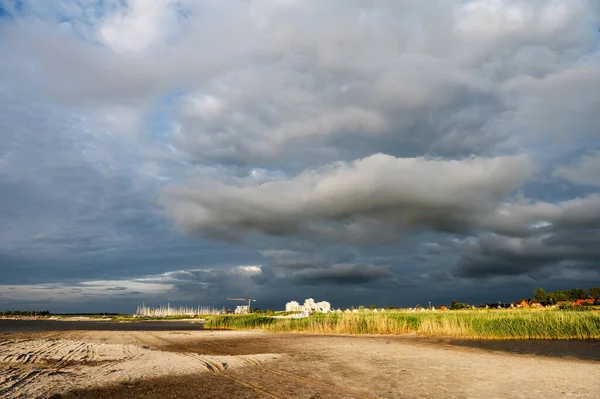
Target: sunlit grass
471, 324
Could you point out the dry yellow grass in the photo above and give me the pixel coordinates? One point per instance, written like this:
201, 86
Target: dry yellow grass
472, 324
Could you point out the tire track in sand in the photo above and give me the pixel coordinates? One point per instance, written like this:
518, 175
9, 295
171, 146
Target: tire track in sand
40, 366
307, 381
18, 357
18, 380
219, 369
71, 354
40, 351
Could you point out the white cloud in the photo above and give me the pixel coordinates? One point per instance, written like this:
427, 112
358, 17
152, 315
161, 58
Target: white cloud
250, 270
142, 25
586, 172
531, 20
206, 106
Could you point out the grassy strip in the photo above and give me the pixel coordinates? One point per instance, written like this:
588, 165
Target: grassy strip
521, 324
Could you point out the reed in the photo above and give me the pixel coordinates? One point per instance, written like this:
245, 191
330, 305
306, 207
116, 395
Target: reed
468, 324
166, 311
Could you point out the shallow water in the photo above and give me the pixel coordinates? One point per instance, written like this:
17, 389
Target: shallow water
588, 349
14, 326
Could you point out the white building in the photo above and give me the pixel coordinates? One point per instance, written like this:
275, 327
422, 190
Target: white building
309, 303
293, 306
242, 309
322, 306
309, 306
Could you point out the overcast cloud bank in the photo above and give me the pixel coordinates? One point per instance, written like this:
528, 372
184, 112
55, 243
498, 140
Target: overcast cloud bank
383, 152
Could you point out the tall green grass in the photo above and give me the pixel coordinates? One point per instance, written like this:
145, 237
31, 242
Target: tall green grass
469, 324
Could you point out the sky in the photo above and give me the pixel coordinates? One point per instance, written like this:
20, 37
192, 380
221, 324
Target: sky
362, 152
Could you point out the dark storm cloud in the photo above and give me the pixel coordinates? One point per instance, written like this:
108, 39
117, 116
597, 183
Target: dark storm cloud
77, 204
533, 237
501, 255
342, 274
363, 201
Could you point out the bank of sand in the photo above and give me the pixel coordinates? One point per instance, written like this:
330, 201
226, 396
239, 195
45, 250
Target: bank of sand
235, 364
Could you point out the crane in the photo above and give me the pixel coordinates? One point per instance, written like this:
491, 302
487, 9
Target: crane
243, 299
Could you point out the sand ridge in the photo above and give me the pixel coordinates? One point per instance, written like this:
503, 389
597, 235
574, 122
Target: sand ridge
29, 368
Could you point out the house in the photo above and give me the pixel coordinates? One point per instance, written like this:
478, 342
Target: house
580, 302
443, 308
521, 304
536, 305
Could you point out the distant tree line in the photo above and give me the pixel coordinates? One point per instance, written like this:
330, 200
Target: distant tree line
459, 305
573, 294
25, 313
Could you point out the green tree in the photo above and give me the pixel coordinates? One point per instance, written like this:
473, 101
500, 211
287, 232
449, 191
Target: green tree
595, 292
540, 295
458, 305
372, 307
577, 293
559, 296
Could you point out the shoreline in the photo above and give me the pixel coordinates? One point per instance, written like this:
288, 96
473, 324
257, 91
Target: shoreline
89, 318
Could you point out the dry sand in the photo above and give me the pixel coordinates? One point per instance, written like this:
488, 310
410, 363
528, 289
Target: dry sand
229, 364
31, 368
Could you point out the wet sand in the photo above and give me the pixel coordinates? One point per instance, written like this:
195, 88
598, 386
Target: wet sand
253, 364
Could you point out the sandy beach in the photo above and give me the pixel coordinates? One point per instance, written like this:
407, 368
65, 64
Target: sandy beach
252, 364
